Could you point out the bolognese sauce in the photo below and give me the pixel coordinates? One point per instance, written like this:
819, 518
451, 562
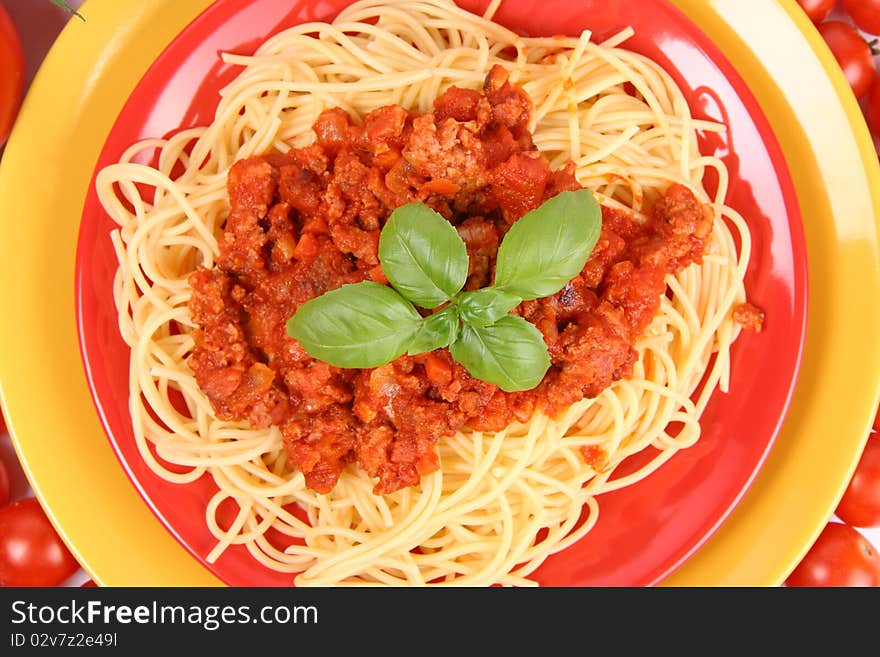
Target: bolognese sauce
308, 221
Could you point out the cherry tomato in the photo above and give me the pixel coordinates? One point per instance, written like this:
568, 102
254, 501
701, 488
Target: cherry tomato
4, 473
873, 116
841, 556
860, 504
852, 53
4, 483
31, 552
817, 10
11, 73
865, 14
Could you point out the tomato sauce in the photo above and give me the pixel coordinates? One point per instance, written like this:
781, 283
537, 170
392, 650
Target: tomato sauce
308, 221
749, 316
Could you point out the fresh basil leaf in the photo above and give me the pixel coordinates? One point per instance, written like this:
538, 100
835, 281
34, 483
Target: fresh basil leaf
549, 246
510, 353
438, 330
422, 255
357, 325
486, 306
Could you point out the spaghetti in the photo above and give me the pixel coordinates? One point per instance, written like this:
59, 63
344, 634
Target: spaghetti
501, 502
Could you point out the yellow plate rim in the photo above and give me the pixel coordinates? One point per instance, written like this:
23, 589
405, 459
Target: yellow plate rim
93, 66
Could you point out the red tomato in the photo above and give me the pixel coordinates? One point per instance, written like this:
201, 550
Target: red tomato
4, 473
817, 10
873, 116
4, 483
88, 584
865, 14
860, 504
852, 53
11, 73
841, 556
31, 552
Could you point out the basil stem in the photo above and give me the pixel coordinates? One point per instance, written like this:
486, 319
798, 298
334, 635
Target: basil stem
486, 306
437, 331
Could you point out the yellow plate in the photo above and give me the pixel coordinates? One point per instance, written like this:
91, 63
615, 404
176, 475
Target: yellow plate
43, 179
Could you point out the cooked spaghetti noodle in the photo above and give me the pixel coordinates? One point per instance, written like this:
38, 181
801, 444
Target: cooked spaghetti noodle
500, 503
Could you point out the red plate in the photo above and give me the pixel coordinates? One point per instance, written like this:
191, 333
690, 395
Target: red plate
644, 531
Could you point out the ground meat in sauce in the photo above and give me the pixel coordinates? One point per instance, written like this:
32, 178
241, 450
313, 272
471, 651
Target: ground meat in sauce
308, 221
749, 317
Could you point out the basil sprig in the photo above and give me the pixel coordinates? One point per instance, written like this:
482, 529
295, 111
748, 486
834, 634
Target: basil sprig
425, 260
437, 331
485, 307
